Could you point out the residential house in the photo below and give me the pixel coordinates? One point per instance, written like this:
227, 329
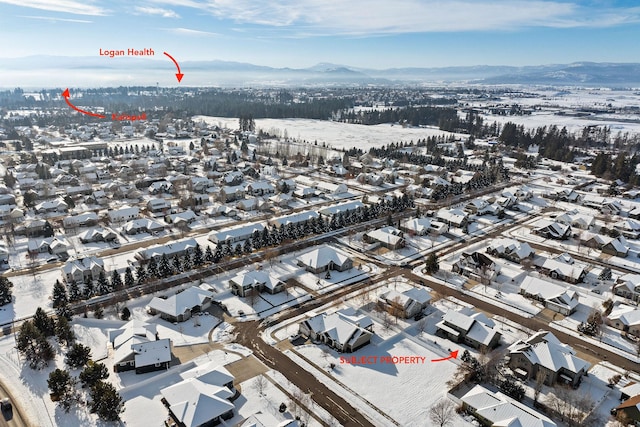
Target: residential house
496, 409
629, 228
552, 230
558, 268
51, 206
125, 213
97, 234
628, 286
260, 188
52, 245
424, 226
182, 305
576, 220
187, 217
231, 193
555, 297
252, 204
193, 402
477, 266
626, 318
342, 208
405, 304
242, 283
137, 347
543, 352
469, 327
510, 249
233, 178
453, 217
295, 218
158, 205
324, 258
83, 270
235, 234
630, 408
86, 219
389, 237
160, 187
142, 225
343, 332
170, 250
616, 247
35, 228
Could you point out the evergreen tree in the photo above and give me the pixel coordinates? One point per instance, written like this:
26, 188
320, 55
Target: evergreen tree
129, 281
103, 287
43, 322
88, 290
141, 275
5, 291
187, 263
152, 269
92, 373
64, 333
238, 250
198, 256
33, 346
208, 254
64, 311
116, 281
125, 314
106, 401
164, 268
432, 266
177, 265
74, 292
77, 356
98, 313
63, 389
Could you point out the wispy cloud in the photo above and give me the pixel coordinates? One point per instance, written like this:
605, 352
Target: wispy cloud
68, 6
53, 19
165, 13
374, 17
190, 32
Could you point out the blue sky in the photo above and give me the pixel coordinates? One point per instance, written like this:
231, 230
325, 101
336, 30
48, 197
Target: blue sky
300, 33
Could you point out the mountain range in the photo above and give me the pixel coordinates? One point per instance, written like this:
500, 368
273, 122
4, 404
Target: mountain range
52, 71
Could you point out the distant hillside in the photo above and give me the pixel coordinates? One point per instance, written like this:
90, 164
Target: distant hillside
49, 71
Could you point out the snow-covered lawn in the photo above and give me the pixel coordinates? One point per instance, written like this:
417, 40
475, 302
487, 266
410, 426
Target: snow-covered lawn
399, 386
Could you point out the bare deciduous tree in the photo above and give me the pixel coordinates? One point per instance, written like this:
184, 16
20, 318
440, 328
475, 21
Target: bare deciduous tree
540, 379
442, 413
421, 326
260, 383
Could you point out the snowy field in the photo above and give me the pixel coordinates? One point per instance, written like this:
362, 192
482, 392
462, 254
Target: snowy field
399, 386
335, 134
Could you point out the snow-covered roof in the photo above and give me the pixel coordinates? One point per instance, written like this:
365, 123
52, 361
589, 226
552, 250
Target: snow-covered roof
628, 315
338, 327
341, 207
322, 256
255, 277
503, 411
573, 271
152, 352
294, 218
548, 291
179, 303
421, 225
544, 349
210, 373
169, 249
235, 233
194, 402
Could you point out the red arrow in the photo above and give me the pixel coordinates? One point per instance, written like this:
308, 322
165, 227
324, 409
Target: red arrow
452, 355
66, 96
179, 75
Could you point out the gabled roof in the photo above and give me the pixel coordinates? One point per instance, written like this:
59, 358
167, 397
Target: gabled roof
544, 349
501, 410
628, 315
152, 352
194, 402
549, 292
322, 256
338, 327
255, 277
179, 303
511, 246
